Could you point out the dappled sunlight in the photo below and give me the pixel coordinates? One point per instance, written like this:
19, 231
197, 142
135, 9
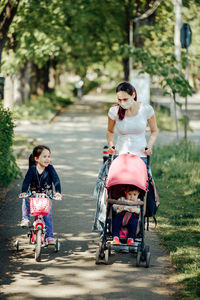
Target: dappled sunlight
83, 236
76, 143
89, 174
63, 167
162, 259
76, 274
84, 158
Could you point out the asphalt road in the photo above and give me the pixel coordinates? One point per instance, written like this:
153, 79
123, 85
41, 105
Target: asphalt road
76, 139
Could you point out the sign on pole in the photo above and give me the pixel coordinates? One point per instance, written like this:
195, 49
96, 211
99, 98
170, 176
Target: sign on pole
186, 39
186, 35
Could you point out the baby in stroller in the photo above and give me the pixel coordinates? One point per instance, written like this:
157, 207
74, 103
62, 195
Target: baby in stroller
125, 218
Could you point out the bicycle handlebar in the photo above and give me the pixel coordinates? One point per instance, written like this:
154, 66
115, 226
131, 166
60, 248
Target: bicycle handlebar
27, 195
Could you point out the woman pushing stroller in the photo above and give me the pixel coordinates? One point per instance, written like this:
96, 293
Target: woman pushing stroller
130, 117
128, 169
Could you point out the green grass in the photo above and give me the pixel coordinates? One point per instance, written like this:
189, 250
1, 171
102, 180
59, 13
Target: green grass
19, 140
176, 169
164, 120
40, 108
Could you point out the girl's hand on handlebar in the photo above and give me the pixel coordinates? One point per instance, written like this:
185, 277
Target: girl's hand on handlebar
111, 150
23, 195
57, 196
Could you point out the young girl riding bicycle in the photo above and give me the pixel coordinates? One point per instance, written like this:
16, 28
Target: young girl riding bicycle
40, 178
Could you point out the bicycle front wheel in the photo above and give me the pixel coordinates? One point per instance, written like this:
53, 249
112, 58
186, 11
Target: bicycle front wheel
38, 244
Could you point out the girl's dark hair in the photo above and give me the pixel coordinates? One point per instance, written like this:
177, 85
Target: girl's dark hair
129, 89
36, 153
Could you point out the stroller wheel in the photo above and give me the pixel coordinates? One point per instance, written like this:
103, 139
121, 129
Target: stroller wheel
148, 256
106, 257
138, 258
109, 249
97, 256
57, 246
16, 244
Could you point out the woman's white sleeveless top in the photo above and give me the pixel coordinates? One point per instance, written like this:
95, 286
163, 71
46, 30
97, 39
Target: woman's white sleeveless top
131, 130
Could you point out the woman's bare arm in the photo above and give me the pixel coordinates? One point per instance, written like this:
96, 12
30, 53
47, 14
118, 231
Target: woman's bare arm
110, 135
153, 136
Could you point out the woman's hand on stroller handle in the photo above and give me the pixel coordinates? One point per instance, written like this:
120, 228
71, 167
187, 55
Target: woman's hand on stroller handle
111, 150
148, 151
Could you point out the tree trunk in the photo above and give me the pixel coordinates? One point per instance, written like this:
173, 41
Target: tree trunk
177, 30
52, 75
177, 51
128, 7
6, 17
8, 93
27, 80
46, 71
40, 82
125, 62
17, 88
42, 79
34, 79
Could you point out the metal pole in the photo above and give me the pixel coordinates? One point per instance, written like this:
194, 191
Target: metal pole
131, 45
186, 100
175, 112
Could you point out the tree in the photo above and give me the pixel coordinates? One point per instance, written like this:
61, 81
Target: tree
177, 52
8, 11
79, 35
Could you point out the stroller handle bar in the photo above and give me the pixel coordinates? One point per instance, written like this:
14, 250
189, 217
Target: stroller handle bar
133, 203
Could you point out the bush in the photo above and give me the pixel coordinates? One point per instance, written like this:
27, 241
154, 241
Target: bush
8, 167
89, 85
41, 108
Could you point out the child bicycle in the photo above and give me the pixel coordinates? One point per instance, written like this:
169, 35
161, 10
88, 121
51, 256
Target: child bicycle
39, 206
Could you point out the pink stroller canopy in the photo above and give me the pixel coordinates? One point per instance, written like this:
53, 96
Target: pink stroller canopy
128, 169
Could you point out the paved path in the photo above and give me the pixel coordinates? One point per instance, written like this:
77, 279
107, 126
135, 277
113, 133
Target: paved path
76, 139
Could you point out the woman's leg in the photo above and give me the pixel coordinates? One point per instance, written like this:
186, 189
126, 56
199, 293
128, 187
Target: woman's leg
132, 226
148, 167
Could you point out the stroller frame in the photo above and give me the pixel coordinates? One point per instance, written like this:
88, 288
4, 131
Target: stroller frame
141, 250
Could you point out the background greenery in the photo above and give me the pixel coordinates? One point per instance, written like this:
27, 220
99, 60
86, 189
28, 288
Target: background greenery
87, 36
176, 169
41, 108
8, 166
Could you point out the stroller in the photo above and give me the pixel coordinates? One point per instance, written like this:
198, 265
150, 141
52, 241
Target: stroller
125, 170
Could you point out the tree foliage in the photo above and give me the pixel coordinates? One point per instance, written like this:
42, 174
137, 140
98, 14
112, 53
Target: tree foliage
163, 66
8, 10
8, 166
85, 33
